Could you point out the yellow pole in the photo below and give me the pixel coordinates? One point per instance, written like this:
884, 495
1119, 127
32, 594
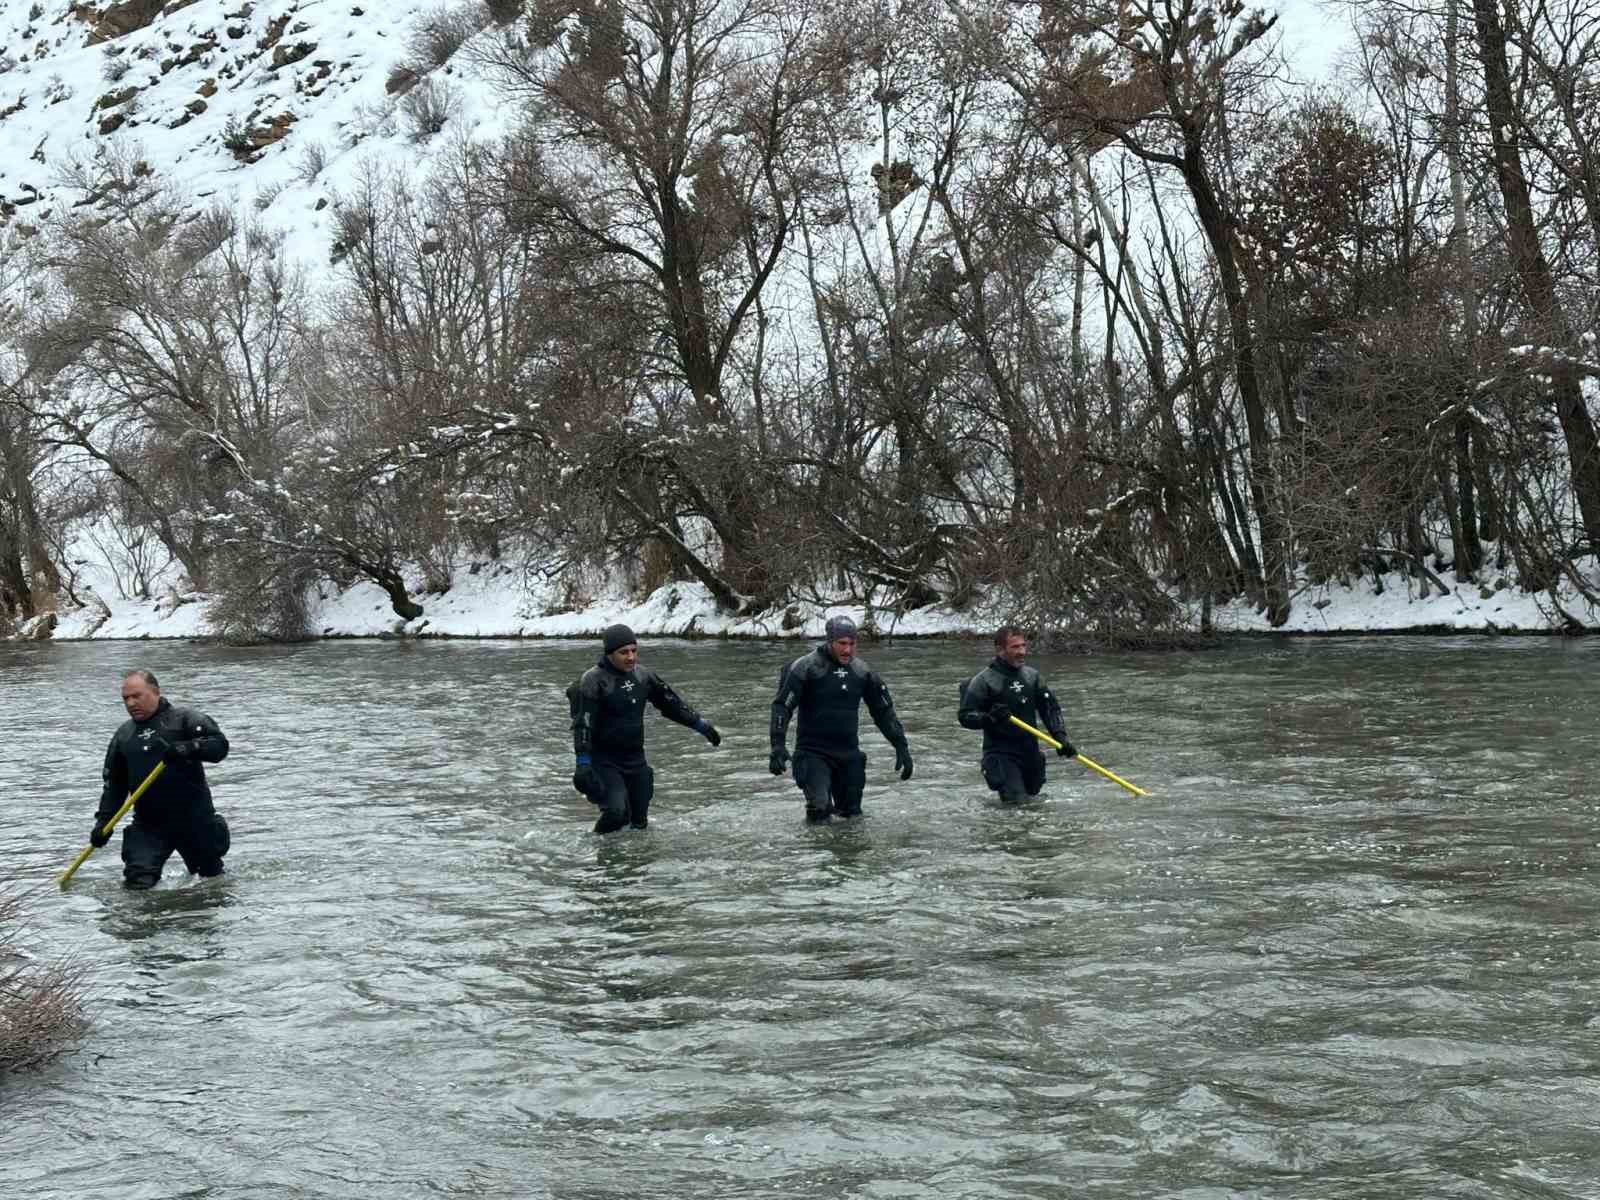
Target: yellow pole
112, 823
1093, 766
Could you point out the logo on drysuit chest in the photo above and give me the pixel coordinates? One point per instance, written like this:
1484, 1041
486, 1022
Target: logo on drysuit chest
844, 676
627, 686
1016, 686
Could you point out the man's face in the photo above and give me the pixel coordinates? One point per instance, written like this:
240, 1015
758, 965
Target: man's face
623, 657
843, 649
139, 698
1015, 650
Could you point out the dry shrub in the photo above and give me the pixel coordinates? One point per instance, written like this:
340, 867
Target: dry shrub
429, 107
261, 601
442, 31
657, 566
41, 1003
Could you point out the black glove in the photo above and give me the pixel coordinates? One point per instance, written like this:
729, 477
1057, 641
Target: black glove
902, 760
583, 778
97, 836
171, 752
709, 732
999, 715
778, 761
1065, 750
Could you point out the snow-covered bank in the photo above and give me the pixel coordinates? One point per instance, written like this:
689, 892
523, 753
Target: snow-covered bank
495, 601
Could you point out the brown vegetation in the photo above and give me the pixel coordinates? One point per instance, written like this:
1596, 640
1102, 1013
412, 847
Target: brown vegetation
41, 1002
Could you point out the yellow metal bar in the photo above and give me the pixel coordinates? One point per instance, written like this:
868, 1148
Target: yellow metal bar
1093, 766
110, 825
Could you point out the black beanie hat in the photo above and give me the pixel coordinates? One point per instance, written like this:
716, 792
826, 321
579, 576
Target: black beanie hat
618, 636
839, 627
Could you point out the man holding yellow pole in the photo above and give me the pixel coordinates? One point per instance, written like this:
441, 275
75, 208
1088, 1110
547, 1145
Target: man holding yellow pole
1013, 764
173, 809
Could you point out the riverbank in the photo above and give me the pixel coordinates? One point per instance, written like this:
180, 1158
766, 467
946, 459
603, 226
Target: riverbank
496, 601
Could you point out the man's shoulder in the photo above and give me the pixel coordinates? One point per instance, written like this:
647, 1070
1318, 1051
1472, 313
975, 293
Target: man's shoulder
987, 677
810, 663
184, 718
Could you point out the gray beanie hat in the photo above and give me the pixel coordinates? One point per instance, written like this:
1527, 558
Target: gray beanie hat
616, 637
839, 627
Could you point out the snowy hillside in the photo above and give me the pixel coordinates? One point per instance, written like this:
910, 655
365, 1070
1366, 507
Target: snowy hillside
274, 103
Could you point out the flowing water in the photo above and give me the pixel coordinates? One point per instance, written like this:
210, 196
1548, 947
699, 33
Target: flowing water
1346, 948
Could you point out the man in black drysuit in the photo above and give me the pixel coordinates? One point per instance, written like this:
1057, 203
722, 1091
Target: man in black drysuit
607, 703
176, 813
827, 687
1013, 763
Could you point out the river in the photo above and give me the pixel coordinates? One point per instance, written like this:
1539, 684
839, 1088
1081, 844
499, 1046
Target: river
1346, 948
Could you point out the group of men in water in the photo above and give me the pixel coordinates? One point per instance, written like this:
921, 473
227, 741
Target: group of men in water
824, 689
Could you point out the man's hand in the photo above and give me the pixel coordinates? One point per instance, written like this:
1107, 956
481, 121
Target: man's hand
583, 778
709, 732
778, 760
999, 715
1065, 750
171, 752
902, 760
97, 836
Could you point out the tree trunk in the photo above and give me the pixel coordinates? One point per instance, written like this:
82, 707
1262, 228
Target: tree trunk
399, 598
1533, 270
1263, 493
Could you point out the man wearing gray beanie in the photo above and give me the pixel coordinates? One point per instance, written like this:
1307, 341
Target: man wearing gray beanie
607, 704
826, 687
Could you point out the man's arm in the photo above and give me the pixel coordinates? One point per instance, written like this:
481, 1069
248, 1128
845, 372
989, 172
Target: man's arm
198, 738
791, 689
113, 790
975, 702
671, 705
881, 705
113, 784
583, 699
1049, 709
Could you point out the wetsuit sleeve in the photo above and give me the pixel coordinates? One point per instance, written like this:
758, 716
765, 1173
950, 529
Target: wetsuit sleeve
659, 692
881, 705
791, 684
209, 742
1049, 709
584, 700
113, 783
975, 701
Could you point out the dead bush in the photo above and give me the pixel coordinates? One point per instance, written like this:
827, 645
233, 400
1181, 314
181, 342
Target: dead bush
442, 31
429, 107
41, 1001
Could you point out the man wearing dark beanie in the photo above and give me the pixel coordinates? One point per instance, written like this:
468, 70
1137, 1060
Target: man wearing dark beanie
827, 687
607, 704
